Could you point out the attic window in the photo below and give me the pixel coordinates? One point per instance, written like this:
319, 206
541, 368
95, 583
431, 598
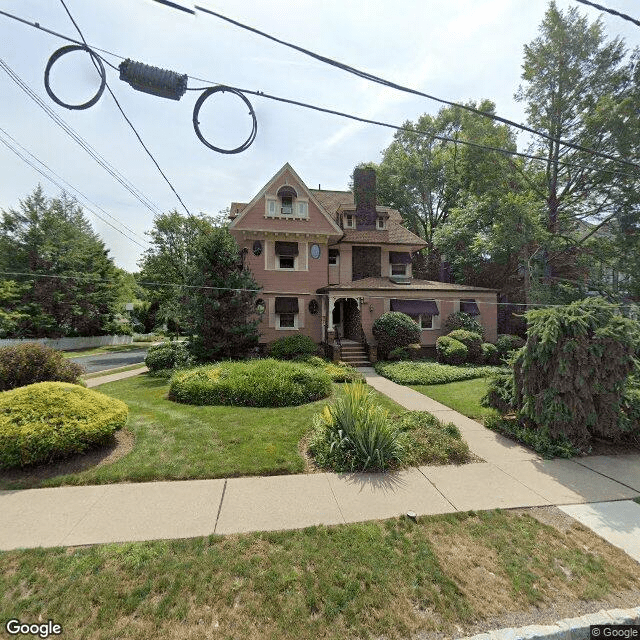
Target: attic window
380, 223
287, 205
287, 195
349, 221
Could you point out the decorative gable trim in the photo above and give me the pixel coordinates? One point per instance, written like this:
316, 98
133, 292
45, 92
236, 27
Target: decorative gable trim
265, 190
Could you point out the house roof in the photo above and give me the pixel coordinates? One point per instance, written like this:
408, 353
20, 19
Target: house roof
393, 234
385, 284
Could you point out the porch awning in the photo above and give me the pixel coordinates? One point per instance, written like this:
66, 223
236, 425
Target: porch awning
416, 307
286, 248
470, 307
286, 305
399, 257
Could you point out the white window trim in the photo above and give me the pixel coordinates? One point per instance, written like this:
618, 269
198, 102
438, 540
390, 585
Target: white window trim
285, 216
431, 328
295, 323
353, 221
383, 226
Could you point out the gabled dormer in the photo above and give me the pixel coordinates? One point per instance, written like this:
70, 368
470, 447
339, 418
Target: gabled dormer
287, 203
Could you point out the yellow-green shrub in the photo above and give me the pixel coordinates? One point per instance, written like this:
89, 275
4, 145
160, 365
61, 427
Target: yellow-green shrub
49, 420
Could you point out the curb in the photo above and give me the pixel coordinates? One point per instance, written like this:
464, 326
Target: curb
565, 629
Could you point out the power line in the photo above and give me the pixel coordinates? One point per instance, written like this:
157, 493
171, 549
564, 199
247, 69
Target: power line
331, 111
82, 195
48, 177
124, 115
393, 85
78, 139
613, 12
88, 277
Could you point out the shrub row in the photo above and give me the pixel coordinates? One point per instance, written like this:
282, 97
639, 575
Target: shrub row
50, 420
430, 372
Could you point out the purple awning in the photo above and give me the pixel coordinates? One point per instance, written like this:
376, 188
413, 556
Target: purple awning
399, 257
470, 307
286, 248
286, 305
416, 307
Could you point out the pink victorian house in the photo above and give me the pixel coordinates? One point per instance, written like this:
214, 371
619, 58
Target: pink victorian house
331, 262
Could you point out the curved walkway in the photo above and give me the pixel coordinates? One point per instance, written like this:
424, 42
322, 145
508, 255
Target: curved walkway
511, 476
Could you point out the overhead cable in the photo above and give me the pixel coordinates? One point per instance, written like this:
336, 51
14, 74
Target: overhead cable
82, 195
613, 12
55, 182
78, 139
124, 115
334, 112
394, 85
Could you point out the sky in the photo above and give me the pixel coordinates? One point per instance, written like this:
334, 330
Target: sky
459, 50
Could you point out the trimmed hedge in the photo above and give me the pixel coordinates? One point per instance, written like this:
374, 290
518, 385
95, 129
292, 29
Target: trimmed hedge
430, 372
461, 320
294, 346
393, 330
49, 420
471, 340
451, 351
253, 383
33, 362
168, 355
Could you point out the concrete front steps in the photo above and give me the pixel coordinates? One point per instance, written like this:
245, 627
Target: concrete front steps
354, 353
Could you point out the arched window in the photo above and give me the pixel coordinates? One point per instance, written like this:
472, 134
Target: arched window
287, 195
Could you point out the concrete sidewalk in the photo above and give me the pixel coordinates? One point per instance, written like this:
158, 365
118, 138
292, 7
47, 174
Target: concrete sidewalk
511, 476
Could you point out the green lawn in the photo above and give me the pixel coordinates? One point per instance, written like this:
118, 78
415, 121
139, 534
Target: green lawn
391, 579
463, 396
177, 441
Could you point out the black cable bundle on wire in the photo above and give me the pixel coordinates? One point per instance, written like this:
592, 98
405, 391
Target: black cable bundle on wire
154, 81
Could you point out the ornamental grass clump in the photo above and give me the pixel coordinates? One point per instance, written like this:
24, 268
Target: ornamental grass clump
571, 378
50, 420
252, 383
356, 434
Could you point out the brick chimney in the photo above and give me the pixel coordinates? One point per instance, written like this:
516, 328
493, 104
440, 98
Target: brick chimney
364, 191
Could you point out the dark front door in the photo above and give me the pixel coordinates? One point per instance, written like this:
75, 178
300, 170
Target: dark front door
352, 322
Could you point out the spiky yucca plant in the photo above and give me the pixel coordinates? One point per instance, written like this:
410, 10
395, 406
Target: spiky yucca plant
356, 434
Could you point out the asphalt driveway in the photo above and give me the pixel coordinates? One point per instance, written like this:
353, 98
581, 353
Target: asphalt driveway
110, 360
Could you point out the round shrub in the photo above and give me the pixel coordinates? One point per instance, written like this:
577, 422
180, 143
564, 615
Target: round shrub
471, 340
49, 420
254, 383
490, 353
33, 362
461, 320
507, 343
291, 347
451, 351
399, 353
393, 330
167, 355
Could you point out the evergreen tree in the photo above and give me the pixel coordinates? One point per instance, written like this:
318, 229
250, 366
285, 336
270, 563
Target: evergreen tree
52, 237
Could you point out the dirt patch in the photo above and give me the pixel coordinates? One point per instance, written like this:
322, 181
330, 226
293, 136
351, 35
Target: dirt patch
118, 446
310, 465
606, 448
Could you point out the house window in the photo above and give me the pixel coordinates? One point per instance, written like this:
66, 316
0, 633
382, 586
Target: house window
257, 248
349, 221
398, 269
286, 320
334, 257
271, 207
287, 313
286, 254
380, 223
287, 205
424, 321
303, 209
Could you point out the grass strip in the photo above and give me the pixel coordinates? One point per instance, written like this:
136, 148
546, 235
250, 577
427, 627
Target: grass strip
391, 579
